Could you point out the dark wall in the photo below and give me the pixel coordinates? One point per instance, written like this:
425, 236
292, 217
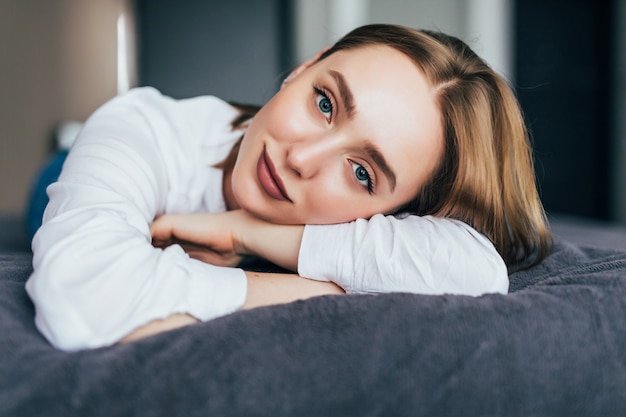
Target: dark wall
563, 83
233, 49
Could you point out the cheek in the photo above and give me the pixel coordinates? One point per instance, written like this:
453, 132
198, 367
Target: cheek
333, 203
242, 188
286, 116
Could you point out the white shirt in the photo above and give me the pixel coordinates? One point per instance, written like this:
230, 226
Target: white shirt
424, 255
97, 277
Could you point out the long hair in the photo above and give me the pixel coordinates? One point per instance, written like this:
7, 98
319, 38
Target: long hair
486, 176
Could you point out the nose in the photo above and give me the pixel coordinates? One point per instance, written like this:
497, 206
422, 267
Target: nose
307, 158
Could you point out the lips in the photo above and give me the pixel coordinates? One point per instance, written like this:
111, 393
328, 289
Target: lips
269, 179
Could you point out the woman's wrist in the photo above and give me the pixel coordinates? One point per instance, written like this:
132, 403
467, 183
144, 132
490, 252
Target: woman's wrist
277, 243
269, 289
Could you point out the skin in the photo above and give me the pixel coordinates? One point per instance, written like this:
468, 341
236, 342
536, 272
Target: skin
313, 155
321, 147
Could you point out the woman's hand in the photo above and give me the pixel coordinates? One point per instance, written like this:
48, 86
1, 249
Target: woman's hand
207, 237
225, 238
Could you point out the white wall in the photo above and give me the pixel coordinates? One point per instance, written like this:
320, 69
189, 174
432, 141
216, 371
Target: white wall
486, 25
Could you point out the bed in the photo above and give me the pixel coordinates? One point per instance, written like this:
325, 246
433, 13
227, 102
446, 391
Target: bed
555, 346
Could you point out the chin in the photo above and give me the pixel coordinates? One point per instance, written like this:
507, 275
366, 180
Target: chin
273, 217
250, 203
271, 214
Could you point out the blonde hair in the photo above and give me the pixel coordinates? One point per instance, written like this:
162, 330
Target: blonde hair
486, 177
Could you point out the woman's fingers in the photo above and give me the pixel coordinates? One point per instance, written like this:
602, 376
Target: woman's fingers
211, 256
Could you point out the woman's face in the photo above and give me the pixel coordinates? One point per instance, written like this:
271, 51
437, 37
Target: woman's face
350, 136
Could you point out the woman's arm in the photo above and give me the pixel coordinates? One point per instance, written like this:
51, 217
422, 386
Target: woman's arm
224, 238
96, 274
416, 254
269, 288
263, 289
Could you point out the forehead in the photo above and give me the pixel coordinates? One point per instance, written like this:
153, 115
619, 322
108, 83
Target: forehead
394, 106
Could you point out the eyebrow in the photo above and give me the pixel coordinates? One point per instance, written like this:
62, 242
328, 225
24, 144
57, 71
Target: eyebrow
344, 91
379, 159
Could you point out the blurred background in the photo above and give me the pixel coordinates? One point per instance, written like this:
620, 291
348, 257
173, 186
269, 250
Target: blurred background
61, 59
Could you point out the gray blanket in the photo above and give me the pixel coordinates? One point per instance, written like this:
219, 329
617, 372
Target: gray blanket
555, 346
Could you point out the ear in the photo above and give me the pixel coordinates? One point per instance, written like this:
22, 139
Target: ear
293, 74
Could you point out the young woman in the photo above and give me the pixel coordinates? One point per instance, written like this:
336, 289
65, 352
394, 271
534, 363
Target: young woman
404, 154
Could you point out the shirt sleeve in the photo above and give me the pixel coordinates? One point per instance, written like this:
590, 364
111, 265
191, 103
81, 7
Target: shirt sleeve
96, 275
426, 255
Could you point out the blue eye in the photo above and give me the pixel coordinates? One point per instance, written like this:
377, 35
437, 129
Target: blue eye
362, 176
324, 103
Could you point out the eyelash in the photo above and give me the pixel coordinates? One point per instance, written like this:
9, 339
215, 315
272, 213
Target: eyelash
320, 91
370, 180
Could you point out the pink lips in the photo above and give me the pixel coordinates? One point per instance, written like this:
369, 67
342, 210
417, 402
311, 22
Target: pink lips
269, 179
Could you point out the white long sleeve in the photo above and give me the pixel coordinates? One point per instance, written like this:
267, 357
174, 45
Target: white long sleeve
426, 255
96, 275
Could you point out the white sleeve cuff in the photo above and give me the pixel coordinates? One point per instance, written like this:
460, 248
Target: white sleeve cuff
326, 253
214, 293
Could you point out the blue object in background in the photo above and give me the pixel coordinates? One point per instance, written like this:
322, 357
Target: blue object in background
38, 197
